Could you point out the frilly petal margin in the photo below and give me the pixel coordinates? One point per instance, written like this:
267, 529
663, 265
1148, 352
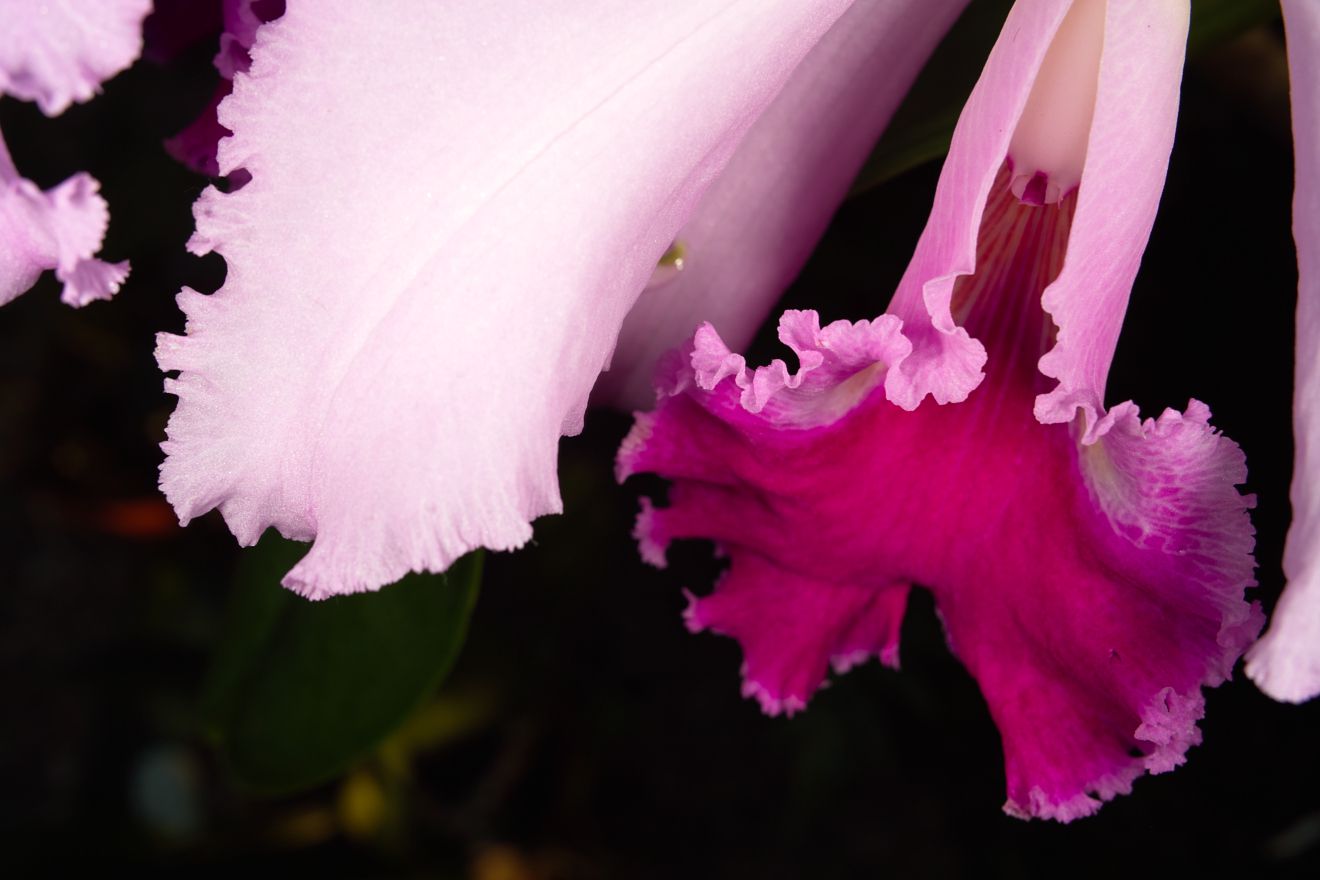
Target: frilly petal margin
58, 54
1285, 663
758, 223
433, 256
58, 229
1091, 588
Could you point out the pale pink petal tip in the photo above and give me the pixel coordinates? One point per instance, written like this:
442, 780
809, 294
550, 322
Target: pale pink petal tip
1092, 589
58, 54
60, 229
1285, 663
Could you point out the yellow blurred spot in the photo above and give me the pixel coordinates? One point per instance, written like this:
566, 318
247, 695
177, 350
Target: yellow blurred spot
447, 719
362, 805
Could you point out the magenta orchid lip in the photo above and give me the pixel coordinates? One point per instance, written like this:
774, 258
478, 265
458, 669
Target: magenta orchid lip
1089, 565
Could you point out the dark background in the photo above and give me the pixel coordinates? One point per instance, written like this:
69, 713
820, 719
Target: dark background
584, 732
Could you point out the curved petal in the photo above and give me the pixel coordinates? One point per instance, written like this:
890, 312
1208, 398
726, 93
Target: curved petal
451, 208
1286, 661
758, 223
59, 53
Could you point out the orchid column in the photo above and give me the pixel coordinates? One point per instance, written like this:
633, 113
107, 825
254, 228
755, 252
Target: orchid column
1089, 566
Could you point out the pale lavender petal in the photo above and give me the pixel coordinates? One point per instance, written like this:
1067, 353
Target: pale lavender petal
758, 223
58, 52
451, 208
1285, 663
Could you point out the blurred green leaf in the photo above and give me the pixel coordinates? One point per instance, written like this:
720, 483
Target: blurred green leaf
923, 125
299, 690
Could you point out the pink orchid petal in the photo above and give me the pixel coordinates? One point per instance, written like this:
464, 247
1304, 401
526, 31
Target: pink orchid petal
450, 211
1285, 663
58, 229
1091, 589
59, 53
758, 223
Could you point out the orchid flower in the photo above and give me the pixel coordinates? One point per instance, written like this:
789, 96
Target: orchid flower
1089, 566
449, 210
1285, 663
56, 58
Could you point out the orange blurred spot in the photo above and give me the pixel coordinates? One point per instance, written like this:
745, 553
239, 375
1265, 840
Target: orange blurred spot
141, 518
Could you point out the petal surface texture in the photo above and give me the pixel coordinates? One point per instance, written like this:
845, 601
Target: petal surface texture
1090, 571
1286, 661
58, 52
758, 223
451, 208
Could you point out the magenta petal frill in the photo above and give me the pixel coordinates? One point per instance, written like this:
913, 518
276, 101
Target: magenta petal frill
451, 208
196, 145
1286, 661
1089, 565
56, 54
